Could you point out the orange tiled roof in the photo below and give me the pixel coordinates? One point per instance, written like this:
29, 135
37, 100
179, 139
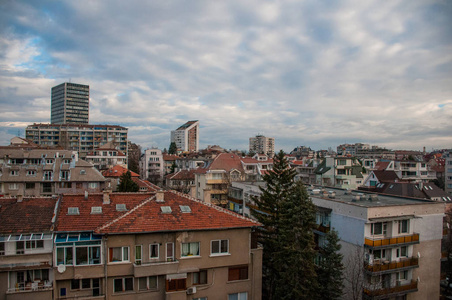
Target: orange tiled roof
117, 171
149, 217
227, 162
32, 215
144, 214
144, 183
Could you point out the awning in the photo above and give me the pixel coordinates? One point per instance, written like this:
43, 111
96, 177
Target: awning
395, 218
176, 276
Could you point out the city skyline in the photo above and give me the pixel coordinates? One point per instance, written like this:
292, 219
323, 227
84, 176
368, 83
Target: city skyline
314, 74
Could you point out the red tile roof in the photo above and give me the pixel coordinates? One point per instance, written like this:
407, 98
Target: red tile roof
386, 176
86, 221
149, 217
144, 214
32, 215
182, 175
170, 157
227, 162
382, 165
117, 171
144, 183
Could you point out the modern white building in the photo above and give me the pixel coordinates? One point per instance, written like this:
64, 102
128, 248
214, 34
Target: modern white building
186, 137
152, 165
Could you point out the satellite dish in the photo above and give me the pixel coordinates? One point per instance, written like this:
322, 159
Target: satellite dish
61, 268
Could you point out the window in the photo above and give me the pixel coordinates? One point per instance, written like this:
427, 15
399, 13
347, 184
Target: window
64, 256
34, 244
402, 275
219, 247
31, 173
238, 296
13, 186
92, 185
200, 277
403, 226
29, 185
75, 284
64, 175
402, 251
190, 249
47, 175
2, 248
119, 254
165, 209
185, 208
14, 173
202, 298
73, 211
121, 207
123, 284
154, 251
378, 228
238, 273
138, 254
147, 283
62, 292
176, 285
170, 251
87, 255
379, 254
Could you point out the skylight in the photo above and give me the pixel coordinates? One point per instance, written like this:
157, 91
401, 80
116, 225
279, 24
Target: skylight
166, 209
96, 209
185, 208
73, 211
121, 207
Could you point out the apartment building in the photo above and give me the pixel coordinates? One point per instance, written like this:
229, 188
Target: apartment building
26, 247
152, 165
106, 157
339, 172
211, 183
83, 138
448, 173
186, 137
160, 245
45, 172
182, 181
262, 145
70, 104
394, 241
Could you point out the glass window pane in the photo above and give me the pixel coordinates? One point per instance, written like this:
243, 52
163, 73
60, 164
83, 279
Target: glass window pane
215, 247
81, 255
129, 284
153, 282
69, 260
125, 253
142, 283
118, 285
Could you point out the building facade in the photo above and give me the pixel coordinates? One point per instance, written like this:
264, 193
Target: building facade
186, 137
262, 145
81, 138
152, 165
44, 172
448, 173
70, 104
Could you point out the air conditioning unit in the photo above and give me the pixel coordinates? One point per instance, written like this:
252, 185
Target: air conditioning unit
191, 290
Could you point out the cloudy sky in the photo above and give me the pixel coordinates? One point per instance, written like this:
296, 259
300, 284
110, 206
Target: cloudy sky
313, 73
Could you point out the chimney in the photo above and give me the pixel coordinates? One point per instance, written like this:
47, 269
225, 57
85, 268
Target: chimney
160, 196
106, 196
20, 198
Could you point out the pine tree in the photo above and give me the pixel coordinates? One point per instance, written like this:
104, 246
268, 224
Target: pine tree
330, 269
172, 148
288, 216
126, 183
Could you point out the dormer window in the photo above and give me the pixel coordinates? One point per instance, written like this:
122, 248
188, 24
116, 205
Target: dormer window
14, 173
96, 210
49, 161
31, 173
121, 207
185, 208
166, 209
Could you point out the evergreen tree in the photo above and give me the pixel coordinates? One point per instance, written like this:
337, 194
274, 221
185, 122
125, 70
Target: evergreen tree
126, 183
329, 272
172, 148
288, 216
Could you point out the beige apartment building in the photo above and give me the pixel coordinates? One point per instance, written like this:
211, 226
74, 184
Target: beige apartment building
26, 247
45, 172
160, 245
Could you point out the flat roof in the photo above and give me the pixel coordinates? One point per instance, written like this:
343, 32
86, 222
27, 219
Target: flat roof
365, 199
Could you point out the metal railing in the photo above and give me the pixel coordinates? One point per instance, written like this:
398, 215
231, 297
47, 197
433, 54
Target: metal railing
379, 242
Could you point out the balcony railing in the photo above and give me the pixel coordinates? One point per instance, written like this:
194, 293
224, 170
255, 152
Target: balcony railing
381, 242
32, 286
384, 293
323, 228
393, 265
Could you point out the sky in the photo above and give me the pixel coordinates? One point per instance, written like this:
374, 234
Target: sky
311, 73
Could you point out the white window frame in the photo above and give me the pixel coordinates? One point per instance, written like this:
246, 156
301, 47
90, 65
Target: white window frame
13, 186
219, 253
400, 229
240, 296
138, 260
122, 260
169, 258
189, 245
158, 251
147, 284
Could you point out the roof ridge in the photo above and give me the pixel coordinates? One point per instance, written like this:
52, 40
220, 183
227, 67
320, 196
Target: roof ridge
124, 215
213, 206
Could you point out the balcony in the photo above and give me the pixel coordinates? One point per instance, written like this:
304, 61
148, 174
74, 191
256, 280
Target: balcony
216, 181
323, 228
32, 290
155, 268
393, 241
389, 267
385, 293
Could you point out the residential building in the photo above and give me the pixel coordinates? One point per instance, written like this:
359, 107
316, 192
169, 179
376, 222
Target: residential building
106, 156
340, 172
70, 104
394, 241
211, 183
82, 138
241, 196
262, 145
26, 247
152, 165
303, 152
256, 166
169, 162
113, 176
160, 245
46, 172
186, 137
182, 181
448, 173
